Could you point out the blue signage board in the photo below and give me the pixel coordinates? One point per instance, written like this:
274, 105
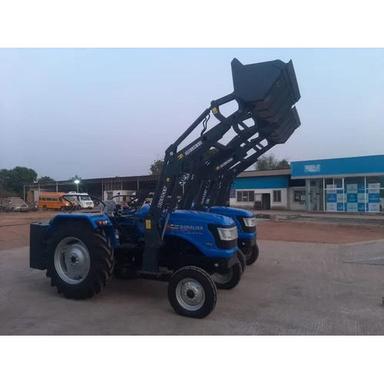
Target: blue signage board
340, 207
351, 197
342, 166
361, 207
373, 197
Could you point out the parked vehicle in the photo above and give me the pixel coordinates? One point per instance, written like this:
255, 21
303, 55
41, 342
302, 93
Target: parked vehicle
171, 239
53, 200
82, 200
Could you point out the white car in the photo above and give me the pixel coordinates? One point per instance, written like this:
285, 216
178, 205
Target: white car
82, 199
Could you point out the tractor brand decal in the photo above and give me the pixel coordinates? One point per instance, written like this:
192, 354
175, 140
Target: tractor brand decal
185, 228
193, 148
162, 197
224, 164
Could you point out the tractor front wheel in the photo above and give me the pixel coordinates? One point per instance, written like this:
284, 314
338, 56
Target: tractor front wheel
242, 259
80, 261
230, 278
252, 254
191, 292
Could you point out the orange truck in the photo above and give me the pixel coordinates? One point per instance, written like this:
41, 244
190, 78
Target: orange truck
53, 200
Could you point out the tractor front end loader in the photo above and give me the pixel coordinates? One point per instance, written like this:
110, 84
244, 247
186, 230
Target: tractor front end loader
173, 238
265, 94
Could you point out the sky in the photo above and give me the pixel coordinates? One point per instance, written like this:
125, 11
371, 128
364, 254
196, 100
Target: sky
111, 112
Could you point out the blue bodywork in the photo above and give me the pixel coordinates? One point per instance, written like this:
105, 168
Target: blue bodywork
195, 227
95, 220
236, 214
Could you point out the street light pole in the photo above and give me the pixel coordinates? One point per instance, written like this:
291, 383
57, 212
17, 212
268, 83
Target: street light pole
77, 182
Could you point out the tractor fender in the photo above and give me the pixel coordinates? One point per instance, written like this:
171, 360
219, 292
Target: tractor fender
95, 221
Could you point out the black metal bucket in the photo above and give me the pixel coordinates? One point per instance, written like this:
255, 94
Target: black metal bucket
270, 88
280, 133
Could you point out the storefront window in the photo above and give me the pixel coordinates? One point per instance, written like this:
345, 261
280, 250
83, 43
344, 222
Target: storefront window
245, 196
299, 197
277, 196
354, 194
374, 185
334, 195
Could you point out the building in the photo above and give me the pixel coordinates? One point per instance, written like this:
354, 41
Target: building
273, 189
353, 184
350, 184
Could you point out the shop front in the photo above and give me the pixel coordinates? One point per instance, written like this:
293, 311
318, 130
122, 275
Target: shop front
353, 184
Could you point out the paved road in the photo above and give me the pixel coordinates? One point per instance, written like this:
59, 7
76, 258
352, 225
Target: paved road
295, 288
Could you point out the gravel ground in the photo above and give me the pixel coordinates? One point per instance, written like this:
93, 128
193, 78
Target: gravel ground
295, 288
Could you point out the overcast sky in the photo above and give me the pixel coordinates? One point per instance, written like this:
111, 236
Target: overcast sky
110, 112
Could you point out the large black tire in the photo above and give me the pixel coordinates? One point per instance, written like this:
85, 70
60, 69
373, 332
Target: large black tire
100, 264
252, 255
191, 292
229, 279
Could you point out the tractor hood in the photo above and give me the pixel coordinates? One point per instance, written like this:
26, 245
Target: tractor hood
232, 212
198, 217
192, 217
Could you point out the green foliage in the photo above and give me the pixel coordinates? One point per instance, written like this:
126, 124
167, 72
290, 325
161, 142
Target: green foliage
45, 180
270, 162
156, 167
12, 180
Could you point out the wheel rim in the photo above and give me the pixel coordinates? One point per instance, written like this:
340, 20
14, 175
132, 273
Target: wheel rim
190, 294
223, 278
72, 260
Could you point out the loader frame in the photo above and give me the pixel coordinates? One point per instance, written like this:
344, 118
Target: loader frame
207, 167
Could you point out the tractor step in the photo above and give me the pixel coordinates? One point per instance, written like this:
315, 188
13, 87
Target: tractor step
161, 275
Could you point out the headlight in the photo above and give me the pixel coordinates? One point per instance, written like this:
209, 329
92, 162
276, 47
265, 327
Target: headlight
227, 234
249, 221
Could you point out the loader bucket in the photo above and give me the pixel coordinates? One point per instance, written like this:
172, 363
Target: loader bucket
269, 87
279, 134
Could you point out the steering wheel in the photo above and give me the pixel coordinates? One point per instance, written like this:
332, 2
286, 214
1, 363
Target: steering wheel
100, 201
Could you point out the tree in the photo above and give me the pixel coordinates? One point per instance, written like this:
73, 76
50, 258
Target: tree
156, 167
46, 180
12, 180
270, 162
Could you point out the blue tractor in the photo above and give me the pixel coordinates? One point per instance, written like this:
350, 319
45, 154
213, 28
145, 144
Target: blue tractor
180, 237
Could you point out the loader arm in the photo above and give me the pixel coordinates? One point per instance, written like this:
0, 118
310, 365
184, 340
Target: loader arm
265, 94
217, 178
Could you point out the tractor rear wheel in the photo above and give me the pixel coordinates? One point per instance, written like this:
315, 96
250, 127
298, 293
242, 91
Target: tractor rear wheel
252, 254
191, 292
230, 278
80, 260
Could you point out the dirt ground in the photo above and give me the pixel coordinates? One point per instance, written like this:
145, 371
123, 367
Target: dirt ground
295, 288
14, 227
14, 230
